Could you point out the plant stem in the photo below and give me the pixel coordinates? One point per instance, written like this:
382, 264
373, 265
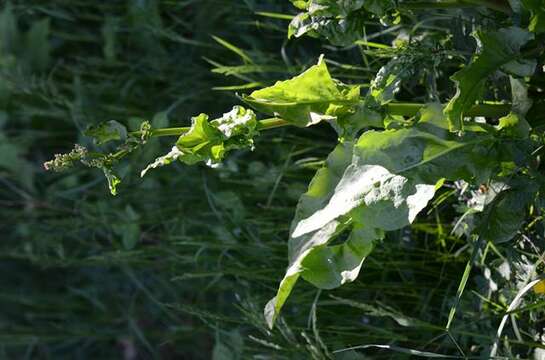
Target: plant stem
486, 109
448, 4
394, 108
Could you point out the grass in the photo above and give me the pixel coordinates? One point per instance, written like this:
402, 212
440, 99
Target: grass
179, 265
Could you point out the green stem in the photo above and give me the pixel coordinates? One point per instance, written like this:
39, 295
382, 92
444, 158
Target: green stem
449, 4
177, 131
485, 109
395, 108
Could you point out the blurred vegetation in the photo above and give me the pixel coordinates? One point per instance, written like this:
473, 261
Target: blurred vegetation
180, 263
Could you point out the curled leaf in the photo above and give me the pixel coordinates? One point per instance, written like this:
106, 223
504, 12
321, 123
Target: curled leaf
209, 141
238, 122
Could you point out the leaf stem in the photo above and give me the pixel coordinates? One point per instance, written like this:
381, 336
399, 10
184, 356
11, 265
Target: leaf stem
395, 108
488, 109
448, 4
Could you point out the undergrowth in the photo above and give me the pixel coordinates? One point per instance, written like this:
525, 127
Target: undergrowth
180, 263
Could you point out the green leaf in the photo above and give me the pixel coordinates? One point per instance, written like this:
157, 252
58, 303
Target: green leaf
300, 4
504, 216
341, 22
497, 49
112, 179
537, 18
514, 124
202, 142
238, 122
410, 61
106, 132
209, 141
328, 267
380, 184
321, 188
306, 99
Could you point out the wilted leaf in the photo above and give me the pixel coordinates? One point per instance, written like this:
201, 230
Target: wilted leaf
167, 159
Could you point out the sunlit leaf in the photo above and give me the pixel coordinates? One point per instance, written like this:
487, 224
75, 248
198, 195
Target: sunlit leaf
306, 99
380, 184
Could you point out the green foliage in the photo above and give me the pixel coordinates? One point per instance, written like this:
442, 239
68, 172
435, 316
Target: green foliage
306, 99
537, 18
499, 50
392, 176
341, 22
208, 141
416, 199
503, 218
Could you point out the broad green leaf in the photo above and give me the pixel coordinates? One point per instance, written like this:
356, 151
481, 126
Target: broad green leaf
520, 100
320, 190
497, 49
106, 132
428, 152
328, 267
341, 22
505, 215
515, 126
306, 99
380, 184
